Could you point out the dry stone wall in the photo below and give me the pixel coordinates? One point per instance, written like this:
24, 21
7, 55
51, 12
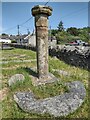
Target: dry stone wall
78, 56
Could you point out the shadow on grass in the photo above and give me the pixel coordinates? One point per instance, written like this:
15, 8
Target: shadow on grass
30, 71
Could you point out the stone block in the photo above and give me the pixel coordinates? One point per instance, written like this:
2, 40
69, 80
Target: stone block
15, 78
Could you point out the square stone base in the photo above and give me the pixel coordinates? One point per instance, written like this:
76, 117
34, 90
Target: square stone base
42, 81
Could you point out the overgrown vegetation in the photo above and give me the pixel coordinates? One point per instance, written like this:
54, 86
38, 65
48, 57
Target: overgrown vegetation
70, 34
10, 108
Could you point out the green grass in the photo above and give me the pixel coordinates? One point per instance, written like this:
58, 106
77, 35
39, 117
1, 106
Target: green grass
10, 108
17, 54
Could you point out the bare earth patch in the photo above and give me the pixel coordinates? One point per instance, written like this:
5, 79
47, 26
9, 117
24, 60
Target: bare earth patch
3, 93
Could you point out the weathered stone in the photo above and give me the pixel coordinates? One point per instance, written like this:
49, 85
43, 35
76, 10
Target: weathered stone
61, 72
41, 14
58, 106
41, 81
45, 80
15, 78
40, 9
78, 56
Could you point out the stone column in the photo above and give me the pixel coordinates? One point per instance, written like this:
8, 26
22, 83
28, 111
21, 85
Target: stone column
41, 14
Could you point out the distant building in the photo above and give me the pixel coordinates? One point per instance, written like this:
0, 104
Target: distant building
31, 40
5, 40
12, 37
52, 41
4, 36
20, 39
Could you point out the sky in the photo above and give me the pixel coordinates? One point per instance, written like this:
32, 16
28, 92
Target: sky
73, 14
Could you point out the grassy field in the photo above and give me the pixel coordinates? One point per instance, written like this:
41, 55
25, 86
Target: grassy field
10, 108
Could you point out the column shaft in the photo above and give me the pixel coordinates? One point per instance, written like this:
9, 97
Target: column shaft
41, 14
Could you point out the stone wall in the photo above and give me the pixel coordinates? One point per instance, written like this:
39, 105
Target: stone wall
23, 46
78, 56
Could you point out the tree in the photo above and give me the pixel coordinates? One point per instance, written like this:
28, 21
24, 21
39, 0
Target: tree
62, 37
73, 31
54, 32
4, 34
84, 34
60, 26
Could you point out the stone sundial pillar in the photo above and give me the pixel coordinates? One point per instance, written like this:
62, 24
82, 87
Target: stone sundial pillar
41, 14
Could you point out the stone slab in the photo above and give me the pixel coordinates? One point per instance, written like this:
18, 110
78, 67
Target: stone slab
15, 78
61, 72
61, 105
42, 81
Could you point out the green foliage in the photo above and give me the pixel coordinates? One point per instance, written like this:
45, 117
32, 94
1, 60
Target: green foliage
60, 26
61, 37
64, 37
54, 32
3, 34
84, 35
71, 34
73, 31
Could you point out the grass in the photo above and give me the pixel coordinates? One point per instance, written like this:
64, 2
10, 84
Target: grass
10, 108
